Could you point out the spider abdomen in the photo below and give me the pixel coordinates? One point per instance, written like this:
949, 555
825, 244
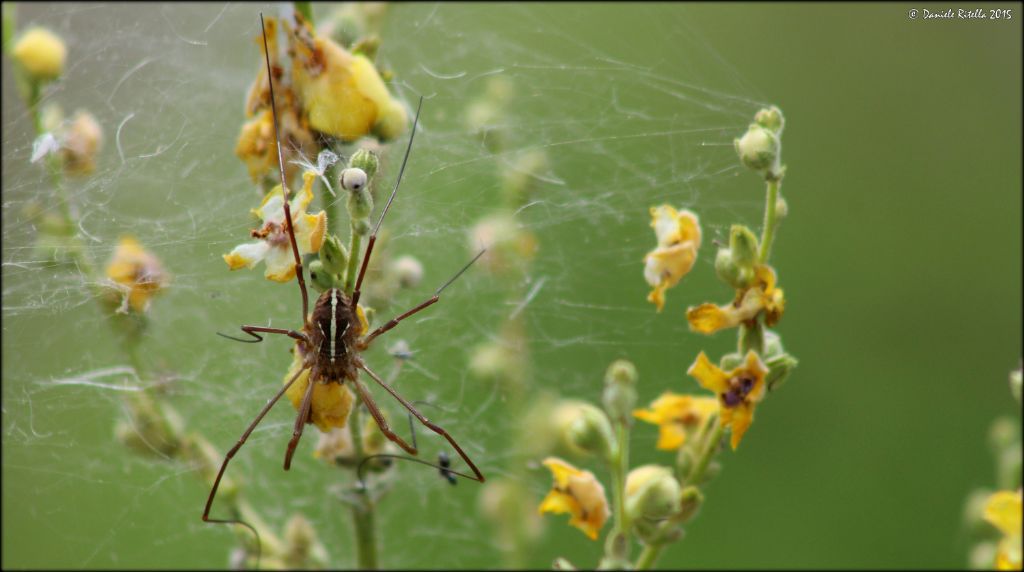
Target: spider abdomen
332, 331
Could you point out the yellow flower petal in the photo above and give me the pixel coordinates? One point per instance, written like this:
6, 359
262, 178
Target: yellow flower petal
246, 255
709, 318
578, 493
754, 366
1003, 511
739, 418
709, 375
310, 232
280, 264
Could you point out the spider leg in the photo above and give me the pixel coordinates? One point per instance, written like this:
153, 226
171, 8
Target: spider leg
251, 330
373, 237
284, 184
382, 423
365, 343
300, 424
241, 441
426, 422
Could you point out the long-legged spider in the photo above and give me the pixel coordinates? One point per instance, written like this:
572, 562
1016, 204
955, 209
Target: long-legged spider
328, 342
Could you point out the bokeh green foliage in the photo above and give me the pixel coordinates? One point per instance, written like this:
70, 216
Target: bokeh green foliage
900, 258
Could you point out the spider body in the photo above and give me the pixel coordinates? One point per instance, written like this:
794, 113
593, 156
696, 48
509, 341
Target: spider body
332, 336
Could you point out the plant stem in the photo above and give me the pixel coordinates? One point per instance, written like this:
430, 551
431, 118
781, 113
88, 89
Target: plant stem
649, 556
770, 220
710, 448
363, 517
353, 261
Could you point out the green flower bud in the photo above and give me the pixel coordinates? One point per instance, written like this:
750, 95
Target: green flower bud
320, 278
743, 244
731, 273
982, 556
1002, 434
690, 501
781, 209
779, 368
616, 549
731, 361
759, 149
974, 510
752, 337
771, 119
619, 396
562, 564
299, 537
590, 432
1008, 467
652, 493
333, 255
366, 160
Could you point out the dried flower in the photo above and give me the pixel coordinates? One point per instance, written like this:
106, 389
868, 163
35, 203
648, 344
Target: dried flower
678, 234
677, 417
762, 295
137, 274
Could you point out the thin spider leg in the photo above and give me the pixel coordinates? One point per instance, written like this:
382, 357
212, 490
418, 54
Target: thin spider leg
361, 469
241, 441
300, 423
373, 237
426, 422
284, 184
365, 343
251, 330
382, 423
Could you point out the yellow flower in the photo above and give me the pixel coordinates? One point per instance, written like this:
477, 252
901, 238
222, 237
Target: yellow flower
1003, 511
274, 245
678, 234
762, 295
41, 53
578, 493
677, 416
137, 273
342, 93
332, 400
738, 390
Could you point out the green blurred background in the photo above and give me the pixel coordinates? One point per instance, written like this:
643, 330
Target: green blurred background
900, 259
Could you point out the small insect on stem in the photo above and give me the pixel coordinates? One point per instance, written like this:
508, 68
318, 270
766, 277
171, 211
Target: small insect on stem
330, 341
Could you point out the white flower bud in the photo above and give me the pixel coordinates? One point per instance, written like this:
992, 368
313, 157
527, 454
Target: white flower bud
353, 179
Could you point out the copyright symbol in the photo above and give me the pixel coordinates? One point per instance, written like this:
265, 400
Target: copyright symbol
913, 14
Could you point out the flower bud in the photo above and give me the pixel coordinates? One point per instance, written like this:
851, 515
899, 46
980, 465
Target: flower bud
490, 360
690, 501
584, 428
562, 564
731, 273
321, 279
361, 226
1002, 434
759, 149
408, 271
41, 54
779, 368
982, 556
365, 160
333, 255
619, 396
771, 119
652, 492
781, 209
743, 245
974, 509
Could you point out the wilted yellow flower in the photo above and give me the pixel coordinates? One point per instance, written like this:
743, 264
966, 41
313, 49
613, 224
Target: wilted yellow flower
761, 296
1003, 511
677, 416
678, 234
137, 273
738, 391
332, 401
274, 245
41, 53
80, 143
342, 93
578, 493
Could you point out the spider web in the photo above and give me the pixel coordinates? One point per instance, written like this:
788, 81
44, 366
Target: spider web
624, 122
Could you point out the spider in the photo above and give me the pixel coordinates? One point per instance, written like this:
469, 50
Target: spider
327, 340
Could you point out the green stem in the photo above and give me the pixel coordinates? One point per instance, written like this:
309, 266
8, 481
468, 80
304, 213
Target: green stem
353, 260
710, 448
363, 517
770, 220
649, 556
